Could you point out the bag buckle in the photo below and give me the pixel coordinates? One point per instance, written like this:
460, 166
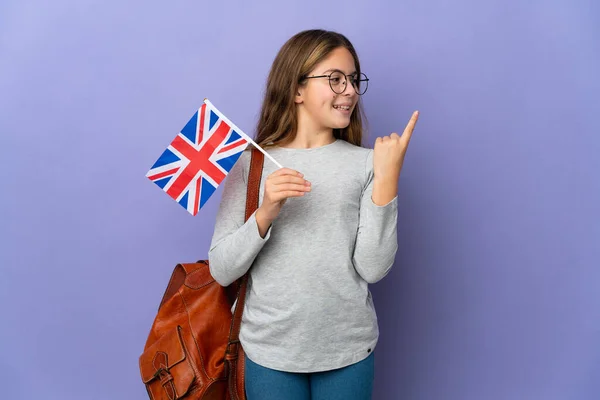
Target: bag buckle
232, 347
165, 377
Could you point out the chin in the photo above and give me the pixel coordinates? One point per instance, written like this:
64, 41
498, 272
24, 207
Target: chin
340, 124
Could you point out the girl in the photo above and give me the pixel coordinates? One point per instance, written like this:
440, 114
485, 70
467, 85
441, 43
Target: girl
325, 228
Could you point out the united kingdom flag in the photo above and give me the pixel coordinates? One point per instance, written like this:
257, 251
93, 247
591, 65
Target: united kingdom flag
198, 159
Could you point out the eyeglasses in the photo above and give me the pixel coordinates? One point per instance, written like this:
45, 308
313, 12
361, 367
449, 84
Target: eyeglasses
337, 82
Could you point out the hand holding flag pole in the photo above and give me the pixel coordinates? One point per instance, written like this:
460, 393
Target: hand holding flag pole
200, 157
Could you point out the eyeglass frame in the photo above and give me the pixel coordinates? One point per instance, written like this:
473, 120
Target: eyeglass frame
346, 81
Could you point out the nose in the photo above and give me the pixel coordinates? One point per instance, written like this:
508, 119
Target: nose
348, 89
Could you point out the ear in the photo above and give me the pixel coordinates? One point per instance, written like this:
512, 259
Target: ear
299, 98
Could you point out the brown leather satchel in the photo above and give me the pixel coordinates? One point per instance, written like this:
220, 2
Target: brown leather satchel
193, 349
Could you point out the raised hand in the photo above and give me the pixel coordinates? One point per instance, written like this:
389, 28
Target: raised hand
389, 152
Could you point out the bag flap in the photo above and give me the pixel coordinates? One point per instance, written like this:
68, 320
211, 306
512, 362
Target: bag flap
165, 353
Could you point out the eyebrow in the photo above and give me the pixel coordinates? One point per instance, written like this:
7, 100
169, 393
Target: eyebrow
339, 70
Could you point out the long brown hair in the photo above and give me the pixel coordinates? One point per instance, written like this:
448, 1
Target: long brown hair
296, 59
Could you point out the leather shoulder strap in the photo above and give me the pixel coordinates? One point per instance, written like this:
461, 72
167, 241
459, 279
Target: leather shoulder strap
252, 196
254, 176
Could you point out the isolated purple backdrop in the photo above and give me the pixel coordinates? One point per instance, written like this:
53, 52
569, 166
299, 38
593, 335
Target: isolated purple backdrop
495, 292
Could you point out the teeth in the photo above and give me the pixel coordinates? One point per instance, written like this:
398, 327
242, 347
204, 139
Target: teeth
342, 107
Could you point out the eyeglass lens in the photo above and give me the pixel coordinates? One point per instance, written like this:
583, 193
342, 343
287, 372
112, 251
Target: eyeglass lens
338, 82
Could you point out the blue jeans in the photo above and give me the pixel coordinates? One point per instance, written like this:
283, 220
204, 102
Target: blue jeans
354, 382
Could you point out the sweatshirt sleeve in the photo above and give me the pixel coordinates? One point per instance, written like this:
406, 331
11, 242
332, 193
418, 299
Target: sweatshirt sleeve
235, 243
377, 237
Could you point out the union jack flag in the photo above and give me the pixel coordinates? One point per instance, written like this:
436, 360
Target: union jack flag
198, 159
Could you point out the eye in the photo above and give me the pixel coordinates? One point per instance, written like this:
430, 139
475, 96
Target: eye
336, 78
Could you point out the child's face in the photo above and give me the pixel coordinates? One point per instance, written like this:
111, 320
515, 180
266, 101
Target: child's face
327, 109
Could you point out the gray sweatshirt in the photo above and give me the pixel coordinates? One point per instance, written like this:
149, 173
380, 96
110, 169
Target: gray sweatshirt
308, 306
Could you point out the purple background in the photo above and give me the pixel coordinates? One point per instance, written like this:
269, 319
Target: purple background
496, 290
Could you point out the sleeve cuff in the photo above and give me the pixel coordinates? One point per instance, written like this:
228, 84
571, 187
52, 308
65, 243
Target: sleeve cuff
391, 204
254, 229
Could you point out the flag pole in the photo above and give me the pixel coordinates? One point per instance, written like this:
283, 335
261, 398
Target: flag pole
238, 130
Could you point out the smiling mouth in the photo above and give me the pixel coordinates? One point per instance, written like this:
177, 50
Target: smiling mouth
343, 108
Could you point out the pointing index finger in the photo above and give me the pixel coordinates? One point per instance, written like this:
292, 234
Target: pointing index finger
411, 124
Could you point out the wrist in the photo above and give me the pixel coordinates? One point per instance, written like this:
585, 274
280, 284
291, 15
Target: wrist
384, 190
261, 216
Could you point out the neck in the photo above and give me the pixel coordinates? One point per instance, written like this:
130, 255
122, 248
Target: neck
309, 134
